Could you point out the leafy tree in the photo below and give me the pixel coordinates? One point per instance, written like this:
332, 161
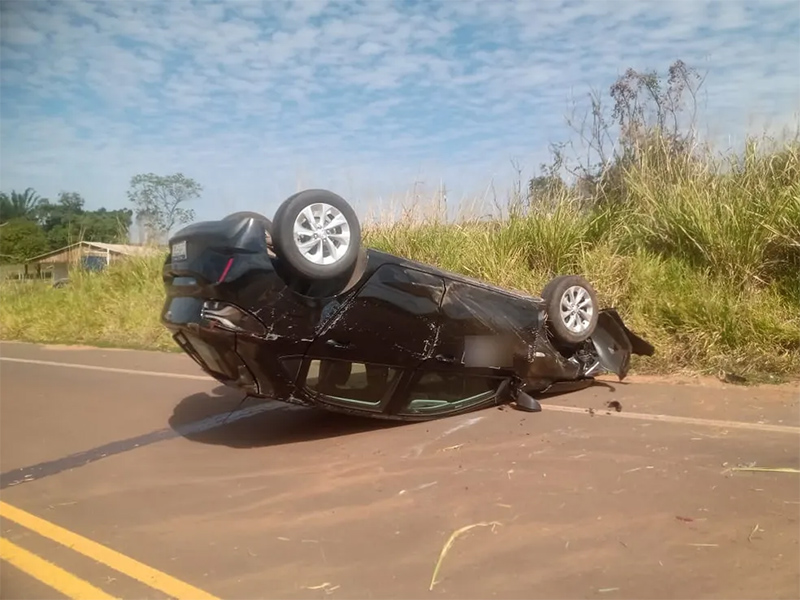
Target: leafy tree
21, 239
104, 225
67, 222
160, 201
18, 205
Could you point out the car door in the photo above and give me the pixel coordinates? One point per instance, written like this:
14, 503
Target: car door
483, 333
361, 355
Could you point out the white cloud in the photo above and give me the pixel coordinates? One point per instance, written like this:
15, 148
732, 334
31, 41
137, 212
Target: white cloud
247, 97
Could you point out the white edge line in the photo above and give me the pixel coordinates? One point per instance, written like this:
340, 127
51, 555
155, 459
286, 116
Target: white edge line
108, 369
567, 409
679, 420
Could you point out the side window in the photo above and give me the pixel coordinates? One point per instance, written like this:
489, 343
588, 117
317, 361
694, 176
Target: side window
363, 383
434, 391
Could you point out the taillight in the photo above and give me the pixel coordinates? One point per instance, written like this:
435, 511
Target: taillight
225, 271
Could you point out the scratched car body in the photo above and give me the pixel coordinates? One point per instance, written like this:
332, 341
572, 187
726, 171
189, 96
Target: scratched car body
295, 309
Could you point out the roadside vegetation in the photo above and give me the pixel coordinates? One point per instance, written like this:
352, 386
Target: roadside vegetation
699, 250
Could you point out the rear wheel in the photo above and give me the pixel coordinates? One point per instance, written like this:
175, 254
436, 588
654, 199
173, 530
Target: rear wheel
571, 308
317, 235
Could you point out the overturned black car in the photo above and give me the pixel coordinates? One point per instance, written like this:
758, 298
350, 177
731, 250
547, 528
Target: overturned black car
295, 309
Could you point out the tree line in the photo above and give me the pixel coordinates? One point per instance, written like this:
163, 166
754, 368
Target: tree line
31, 225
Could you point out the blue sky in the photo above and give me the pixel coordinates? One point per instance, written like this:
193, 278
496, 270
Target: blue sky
255, 99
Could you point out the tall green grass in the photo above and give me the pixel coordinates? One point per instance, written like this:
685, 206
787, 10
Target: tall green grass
701, 255
119, 307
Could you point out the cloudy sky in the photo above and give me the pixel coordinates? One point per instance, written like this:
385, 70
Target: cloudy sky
253, 99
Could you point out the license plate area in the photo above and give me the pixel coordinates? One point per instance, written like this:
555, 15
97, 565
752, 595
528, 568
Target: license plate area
178, 251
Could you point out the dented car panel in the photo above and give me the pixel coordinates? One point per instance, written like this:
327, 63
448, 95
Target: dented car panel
406, 343
402, 340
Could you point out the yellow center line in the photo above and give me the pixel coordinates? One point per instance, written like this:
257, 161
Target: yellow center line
50, 574
119, 562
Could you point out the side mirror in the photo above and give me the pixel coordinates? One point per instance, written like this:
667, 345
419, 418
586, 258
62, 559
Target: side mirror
527, 403
522, 400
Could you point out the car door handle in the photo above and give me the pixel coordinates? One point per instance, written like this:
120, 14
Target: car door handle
338, 344
448, 358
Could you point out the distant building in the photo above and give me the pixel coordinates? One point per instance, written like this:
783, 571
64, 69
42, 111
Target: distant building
56, 264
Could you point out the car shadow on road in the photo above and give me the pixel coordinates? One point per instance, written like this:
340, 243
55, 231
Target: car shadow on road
278, 424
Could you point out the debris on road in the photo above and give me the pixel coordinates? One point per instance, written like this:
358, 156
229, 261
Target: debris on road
418, 488
329, 588
456, 447
451, 540
638, 469
752, 533
615, 404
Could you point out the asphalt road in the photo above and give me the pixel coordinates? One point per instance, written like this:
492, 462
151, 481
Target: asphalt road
120, 479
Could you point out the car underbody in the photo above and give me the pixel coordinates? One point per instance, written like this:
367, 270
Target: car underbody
369, 333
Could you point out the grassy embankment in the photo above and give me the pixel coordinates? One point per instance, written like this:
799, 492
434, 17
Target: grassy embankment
702, 257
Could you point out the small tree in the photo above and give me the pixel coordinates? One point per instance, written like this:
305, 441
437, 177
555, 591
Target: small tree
159, 199
647, 109
21, 239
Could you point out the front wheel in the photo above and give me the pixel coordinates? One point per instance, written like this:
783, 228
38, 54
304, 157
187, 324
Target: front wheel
571, 308
317, 234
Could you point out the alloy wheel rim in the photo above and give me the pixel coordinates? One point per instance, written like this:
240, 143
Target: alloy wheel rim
321, 233
576, 309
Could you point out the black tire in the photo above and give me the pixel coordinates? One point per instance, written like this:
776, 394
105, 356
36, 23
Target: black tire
277, 216
253, 215
284, 240
249, 215
553, 294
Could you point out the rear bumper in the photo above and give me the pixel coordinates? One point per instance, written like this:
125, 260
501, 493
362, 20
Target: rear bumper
218, 357
212, 347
